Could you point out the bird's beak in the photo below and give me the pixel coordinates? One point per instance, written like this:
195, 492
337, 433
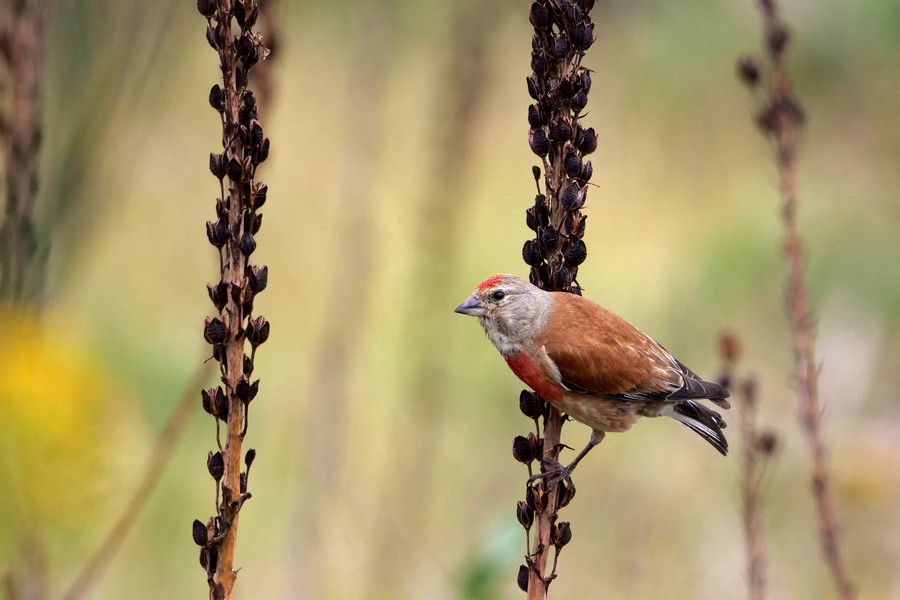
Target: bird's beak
471, 306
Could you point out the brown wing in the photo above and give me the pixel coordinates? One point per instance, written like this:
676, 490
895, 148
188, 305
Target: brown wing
598, 352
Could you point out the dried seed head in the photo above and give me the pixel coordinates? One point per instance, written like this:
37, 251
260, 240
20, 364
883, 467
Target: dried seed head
522, 449
247, 244
214, 331
531, 253
207, 8
766, 443
587, 172
533, 90
531, 219
217, 232
258, 278
561, 131
563, 534
209, 398
259, 198
539, 15
258, 331
729, 346
588, 142
217, 98
216, 465
565, 493
549, 239
250, 457
539, 65
218, 294
535, 119
777, 38
530, 404
522, 578
748, 69
539, 143
216, 165
572, 197
579, 101
525, 514
234, 169
199, 533
576, 254
561, 279
572, 164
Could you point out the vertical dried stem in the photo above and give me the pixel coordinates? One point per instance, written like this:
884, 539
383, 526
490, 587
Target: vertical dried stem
758, 449
233, 233
781, 120
559, 85
22, 54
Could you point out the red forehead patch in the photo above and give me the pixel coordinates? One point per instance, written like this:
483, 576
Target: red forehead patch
490, 282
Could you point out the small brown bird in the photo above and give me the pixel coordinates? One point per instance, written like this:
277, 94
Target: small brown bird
590, 363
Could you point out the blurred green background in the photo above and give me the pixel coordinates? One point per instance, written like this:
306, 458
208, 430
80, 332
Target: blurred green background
399, 177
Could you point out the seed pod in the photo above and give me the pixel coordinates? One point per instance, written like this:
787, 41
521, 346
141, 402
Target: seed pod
539, 65
214, 331
535, 119
234, 169
530, 404
531, 253
218, 294
572, 164
522, 449
217, 98
549, 238
207, 8
539, 143
748, 69
258, 278
258, 331
579, 101
538, 16
522, 578
199, 533
525, 514
250, 457
248, 244
563, 534
576, 254
215, 464
561, 131
572, 197
589, 142
533, 91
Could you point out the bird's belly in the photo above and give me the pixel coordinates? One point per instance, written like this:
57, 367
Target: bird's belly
530, 372
598, 413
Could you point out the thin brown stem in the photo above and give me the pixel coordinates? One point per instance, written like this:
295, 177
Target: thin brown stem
781, 120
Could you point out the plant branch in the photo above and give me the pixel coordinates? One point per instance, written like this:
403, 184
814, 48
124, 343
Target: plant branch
781, 120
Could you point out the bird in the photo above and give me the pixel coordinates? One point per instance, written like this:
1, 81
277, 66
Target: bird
590, 363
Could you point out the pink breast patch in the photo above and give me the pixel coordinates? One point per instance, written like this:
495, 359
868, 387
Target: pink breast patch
528, 370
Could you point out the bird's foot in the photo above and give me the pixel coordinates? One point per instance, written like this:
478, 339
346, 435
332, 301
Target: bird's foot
552, 472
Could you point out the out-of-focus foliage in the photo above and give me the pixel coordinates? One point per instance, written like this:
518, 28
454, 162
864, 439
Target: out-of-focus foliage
385, 421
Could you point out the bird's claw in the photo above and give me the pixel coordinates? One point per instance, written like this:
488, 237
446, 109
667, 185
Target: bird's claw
552, 472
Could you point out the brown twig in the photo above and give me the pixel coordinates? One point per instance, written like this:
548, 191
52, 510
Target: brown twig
156, 464
559, 85
781, 120
22, 54
245, 147
759, 447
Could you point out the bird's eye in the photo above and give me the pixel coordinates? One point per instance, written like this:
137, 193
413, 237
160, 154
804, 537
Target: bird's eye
498, 295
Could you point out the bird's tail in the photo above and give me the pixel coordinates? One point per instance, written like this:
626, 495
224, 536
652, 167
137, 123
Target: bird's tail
705, 421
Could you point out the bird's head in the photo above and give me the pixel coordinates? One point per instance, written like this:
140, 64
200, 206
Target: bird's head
510, 309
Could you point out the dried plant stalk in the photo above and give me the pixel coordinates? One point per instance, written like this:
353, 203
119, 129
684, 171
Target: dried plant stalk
233, 233
781, 120
559, 85
22, 55
759, 447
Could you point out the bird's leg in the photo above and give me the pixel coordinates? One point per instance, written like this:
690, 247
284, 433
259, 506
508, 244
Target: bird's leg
560, 472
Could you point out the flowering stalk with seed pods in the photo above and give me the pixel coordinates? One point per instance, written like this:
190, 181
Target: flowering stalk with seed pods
230, 33
559, 86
